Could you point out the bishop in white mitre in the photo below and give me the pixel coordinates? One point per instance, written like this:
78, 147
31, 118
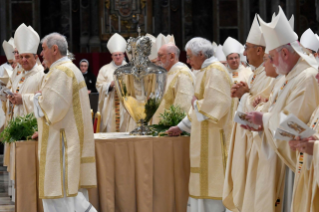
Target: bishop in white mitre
242, 141
298, 95
114, 117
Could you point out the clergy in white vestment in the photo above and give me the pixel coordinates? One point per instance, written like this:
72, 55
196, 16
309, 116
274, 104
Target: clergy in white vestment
179, 89
219, 54
209, 121
65, 135
298, 95
233, 49
310, 42
237, 188
114, 117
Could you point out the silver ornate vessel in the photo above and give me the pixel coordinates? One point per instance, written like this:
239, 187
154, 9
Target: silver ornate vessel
140, 84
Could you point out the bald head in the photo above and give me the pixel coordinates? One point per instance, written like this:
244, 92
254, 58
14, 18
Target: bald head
168, 55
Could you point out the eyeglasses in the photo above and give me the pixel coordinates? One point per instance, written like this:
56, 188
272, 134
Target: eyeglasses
15, 52
247, 47
161, 55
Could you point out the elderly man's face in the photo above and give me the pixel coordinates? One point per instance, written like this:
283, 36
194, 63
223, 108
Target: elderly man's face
269, 68
279, 64
47, 54
28, 61
163, 58
16, 55
84, 67
195, 61
118, 58
233, 61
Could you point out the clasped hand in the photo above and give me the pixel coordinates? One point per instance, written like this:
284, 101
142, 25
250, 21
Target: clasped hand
239, 89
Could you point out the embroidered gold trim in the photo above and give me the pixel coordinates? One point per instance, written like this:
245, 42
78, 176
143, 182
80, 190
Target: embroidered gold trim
205, 197
222, 144
61, 158
88, 160
45, 116
195, 169
206, 114
82, 85
204, 159
66, 162
52, 197
43, 156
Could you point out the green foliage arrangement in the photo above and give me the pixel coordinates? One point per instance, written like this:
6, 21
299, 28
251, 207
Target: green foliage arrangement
19, 128
169, 118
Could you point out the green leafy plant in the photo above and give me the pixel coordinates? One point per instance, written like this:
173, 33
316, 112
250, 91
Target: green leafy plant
169, 118
19, 128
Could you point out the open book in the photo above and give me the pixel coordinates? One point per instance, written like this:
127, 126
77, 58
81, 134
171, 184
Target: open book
290, 127
240, 118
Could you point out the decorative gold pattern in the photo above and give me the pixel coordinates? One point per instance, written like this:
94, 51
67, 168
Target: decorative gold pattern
206, 197
61, 158
206, 114
43, 157
82, 85
195, 169
88, 160
66, 163
204, 159
224, 150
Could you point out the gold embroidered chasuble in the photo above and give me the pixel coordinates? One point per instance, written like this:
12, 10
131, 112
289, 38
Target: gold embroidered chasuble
107, 105
242, 74
306, 190
263, 186
299, 95
67, 118
241, 143
27, 83
179, 90
209, 138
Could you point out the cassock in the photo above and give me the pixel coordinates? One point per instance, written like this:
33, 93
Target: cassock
241, 142
179, 90
66, 143
211, 122
299, 95
306, 190
110, 106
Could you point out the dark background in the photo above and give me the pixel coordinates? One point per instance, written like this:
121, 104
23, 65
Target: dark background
88, 24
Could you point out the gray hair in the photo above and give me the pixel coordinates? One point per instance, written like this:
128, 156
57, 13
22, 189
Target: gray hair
85, 61
197, 45
286, 46
56, 39
174, 50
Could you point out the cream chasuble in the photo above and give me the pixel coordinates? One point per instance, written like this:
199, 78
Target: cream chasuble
27, 83
210, 137
107, 106
241, 74
67, 118
179, 90
263, 186
299, 95
241, 143
306, 190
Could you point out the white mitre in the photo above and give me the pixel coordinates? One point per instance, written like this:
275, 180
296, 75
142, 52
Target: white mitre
231, 45
8, 50
161, 40
6, 75
219, 54
242, 57
278, 32
11, 42
116, 43
309, 40
26, 40
317, 36
255, 35
153, 54
214, 46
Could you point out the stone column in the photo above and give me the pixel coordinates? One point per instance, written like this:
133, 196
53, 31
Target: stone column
3, 22
85, 25
66, 28
94, 42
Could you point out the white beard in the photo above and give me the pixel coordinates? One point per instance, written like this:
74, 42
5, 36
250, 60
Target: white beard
282, 67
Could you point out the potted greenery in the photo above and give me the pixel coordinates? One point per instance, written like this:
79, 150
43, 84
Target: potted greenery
169, 118
19, 129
